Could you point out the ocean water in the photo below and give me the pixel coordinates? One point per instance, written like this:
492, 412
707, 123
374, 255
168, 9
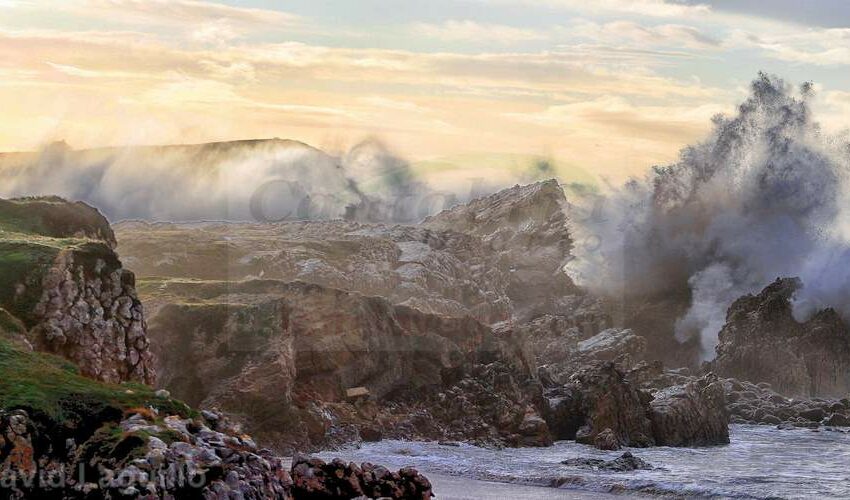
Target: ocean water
762, 462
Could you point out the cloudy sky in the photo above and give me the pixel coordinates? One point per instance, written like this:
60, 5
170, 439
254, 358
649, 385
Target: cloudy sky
612, 85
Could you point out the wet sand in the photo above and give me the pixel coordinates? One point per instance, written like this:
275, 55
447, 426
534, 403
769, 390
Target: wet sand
459, 488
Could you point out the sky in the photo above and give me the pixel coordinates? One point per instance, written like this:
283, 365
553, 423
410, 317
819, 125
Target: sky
614, 86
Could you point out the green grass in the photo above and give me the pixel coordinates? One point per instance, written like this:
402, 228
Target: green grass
52, 217
10, 325
52, 386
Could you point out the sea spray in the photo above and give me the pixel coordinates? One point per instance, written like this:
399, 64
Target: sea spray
760, 198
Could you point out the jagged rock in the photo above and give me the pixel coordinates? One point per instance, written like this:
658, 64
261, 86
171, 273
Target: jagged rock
314, 479
607, 440
693, 414
503, 260
625, 463
72, 293
837, 420
280, 353
762, 342
599, 398
525, 228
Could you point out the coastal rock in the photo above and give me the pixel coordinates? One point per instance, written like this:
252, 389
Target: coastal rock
289, 356
624, 463
763, 342
525, 230
693, 414
64, 282
600, 399
314, 479
495, 259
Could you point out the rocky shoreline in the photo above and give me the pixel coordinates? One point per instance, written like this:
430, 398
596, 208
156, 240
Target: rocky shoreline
322, 335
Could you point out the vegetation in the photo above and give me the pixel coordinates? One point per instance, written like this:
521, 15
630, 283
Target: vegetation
51, 386
53, 217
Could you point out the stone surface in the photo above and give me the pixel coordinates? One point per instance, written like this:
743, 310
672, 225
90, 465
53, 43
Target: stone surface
60, 276
599, 399
314, 479
90, 314
625, 463
762, 342
693, 414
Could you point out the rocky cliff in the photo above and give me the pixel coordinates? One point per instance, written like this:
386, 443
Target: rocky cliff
525, 230
763, 342
75, 423
495, 259
60, 276
288, 357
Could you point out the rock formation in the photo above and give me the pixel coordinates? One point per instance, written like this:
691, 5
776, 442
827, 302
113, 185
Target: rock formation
69, 428
275, 352
61, 277
285, 318
525, 230
599, 401
315, 479
693, 414
601, 407
624, 463
762, 342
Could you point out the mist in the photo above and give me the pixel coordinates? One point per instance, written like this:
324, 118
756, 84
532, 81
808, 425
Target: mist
762, 197
263, 180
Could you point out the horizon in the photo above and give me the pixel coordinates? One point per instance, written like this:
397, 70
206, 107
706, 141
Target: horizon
613, 88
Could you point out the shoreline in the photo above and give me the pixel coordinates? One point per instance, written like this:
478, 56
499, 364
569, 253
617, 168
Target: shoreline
448, 487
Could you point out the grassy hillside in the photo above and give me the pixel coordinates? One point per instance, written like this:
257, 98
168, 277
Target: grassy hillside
51, 386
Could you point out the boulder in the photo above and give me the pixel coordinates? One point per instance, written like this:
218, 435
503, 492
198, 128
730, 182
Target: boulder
599, 399
693, 414
624, 463
314, 479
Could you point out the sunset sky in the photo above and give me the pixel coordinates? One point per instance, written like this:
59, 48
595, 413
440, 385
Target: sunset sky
612, 85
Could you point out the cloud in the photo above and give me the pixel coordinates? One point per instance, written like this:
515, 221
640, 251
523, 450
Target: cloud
618, 116
457, 31
179, 11
393, 104
822, 47
671, 35
649, 8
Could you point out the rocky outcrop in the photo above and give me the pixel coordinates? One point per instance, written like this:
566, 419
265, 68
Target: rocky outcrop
437, 272
525, 230
601, 407
624, 463
693, 414
89, 314
61, 278
762, 342
495, 259
313, 479
598, 402
750, 403
55, 217
302, 363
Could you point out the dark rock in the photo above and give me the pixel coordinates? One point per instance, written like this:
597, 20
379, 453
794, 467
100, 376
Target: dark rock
606, 440
762, 342
315, 479
813, 414
837, 420
596, 399
371, 433
693, 414
626, 462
